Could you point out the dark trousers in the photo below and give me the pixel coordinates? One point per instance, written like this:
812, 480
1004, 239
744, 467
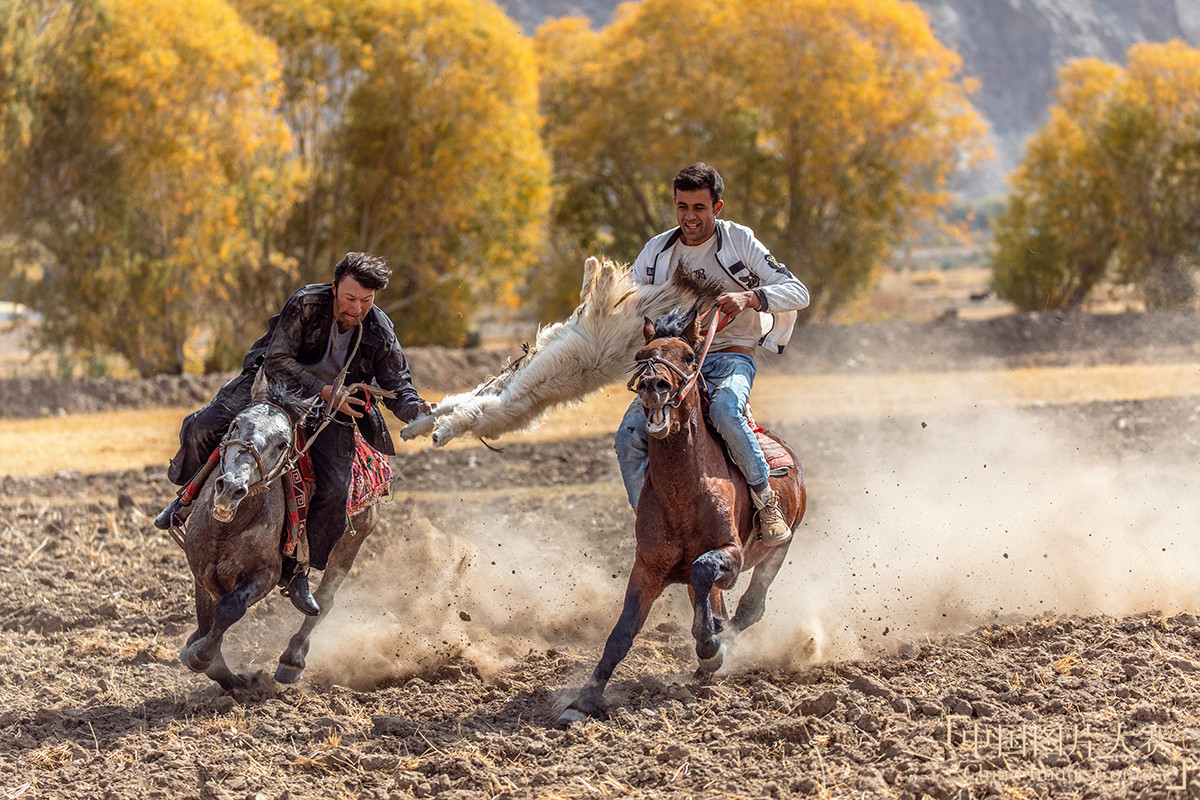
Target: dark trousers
203, 430
332, 456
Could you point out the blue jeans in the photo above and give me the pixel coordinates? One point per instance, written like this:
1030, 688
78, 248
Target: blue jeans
729, 377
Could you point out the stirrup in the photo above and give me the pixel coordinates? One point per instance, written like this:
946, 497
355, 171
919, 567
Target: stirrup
298, 592
171, 517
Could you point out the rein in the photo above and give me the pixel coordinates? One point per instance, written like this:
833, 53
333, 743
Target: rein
645, 365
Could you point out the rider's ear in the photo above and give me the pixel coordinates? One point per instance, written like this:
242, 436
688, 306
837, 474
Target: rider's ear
647, 329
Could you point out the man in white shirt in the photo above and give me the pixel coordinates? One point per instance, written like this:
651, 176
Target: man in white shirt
758, 307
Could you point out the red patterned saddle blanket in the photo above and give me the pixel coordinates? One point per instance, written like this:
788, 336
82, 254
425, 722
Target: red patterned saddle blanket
779, 460
370, 482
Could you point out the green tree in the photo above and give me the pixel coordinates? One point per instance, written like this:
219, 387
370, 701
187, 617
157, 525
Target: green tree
1109, 187
419, 121
835, 124
152, 171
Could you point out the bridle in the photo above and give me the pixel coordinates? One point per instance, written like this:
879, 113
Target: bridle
285, 462
650, 366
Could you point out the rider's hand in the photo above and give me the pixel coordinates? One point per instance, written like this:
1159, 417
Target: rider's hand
346, 402
734, 303
427, 407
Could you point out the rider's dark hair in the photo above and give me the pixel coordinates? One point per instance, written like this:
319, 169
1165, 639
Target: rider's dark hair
700, 176
370, 271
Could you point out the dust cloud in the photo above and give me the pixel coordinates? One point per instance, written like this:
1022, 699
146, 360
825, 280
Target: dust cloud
923, 525
488, 594
978, 518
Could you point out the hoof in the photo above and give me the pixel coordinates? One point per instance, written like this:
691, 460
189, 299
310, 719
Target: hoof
192, 661
710, 665
571, 715
708, 649
286, 674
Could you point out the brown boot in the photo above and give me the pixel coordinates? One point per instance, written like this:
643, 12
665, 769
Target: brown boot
773, 529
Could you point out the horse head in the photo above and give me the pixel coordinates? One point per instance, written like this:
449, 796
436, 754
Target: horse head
258, 447
666, 369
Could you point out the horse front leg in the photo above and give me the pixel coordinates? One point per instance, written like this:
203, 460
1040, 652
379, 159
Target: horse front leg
640, 594
202, 653
715, 570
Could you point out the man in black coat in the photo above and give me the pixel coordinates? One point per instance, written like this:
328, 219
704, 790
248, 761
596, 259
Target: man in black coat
306, 347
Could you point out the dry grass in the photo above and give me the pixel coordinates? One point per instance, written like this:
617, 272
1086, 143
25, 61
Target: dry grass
122, 440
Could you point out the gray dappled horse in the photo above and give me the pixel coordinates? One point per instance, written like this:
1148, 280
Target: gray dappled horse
232, 538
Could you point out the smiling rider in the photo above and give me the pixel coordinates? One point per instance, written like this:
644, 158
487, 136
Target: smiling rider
758, 306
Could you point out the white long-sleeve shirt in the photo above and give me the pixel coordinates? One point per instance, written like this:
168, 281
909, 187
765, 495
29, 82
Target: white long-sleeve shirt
742, 263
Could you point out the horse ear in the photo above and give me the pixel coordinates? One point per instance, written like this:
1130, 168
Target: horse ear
258, 391
310, 405
691, 334
647, 329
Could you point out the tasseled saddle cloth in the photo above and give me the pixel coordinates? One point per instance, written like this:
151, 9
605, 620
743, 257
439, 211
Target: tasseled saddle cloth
779, 460
370, 482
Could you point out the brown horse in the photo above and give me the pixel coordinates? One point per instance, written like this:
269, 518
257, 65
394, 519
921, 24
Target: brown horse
695, 520
233, 537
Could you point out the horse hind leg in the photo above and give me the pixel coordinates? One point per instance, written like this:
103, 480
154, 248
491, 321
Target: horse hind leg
292, 662
716, 569
341, 559
753, 603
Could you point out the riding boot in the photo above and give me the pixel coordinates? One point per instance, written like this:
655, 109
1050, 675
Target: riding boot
772, 527
297, 589
173, 516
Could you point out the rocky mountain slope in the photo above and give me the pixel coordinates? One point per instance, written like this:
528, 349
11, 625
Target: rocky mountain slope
1014, 48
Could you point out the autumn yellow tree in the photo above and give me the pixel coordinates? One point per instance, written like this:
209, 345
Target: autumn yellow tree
153, 174
1110, 186
1055, 237
419, 121
836, 124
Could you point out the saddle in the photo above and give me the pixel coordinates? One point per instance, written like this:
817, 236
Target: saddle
370, 482
779, 460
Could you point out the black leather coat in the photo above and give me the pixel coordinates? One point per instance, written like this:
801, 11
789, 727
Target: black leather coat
299, 336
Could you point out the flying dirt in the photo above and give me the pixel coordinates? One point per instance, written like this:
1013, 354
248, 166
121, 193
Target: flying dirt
993, 595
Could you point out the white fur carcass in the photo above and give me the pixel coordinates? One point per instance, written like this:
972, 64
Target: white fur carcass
589, 350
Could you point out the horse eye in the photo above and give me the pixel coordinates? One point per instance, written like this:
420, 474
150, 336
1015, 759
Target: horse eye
690, 357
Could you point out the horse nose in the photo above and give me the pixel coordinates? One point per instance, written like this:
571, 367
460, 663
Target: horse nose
224, 490
657, 384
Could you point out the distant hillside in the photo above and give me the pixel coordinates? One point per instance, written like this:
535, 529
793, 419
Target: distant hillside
1013, 47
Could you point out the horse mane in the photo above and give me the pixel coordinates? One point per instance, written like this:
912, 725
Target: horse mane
672, 324
293, 404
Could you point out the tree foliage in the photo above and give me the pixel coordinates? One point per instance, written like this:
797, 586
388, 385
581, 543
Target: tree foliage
835, 123
151, 171
418, 120
1109, 186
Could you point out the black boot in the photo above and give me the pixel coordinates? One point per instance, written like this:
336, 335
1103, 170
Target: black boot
171, 517
298, 592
